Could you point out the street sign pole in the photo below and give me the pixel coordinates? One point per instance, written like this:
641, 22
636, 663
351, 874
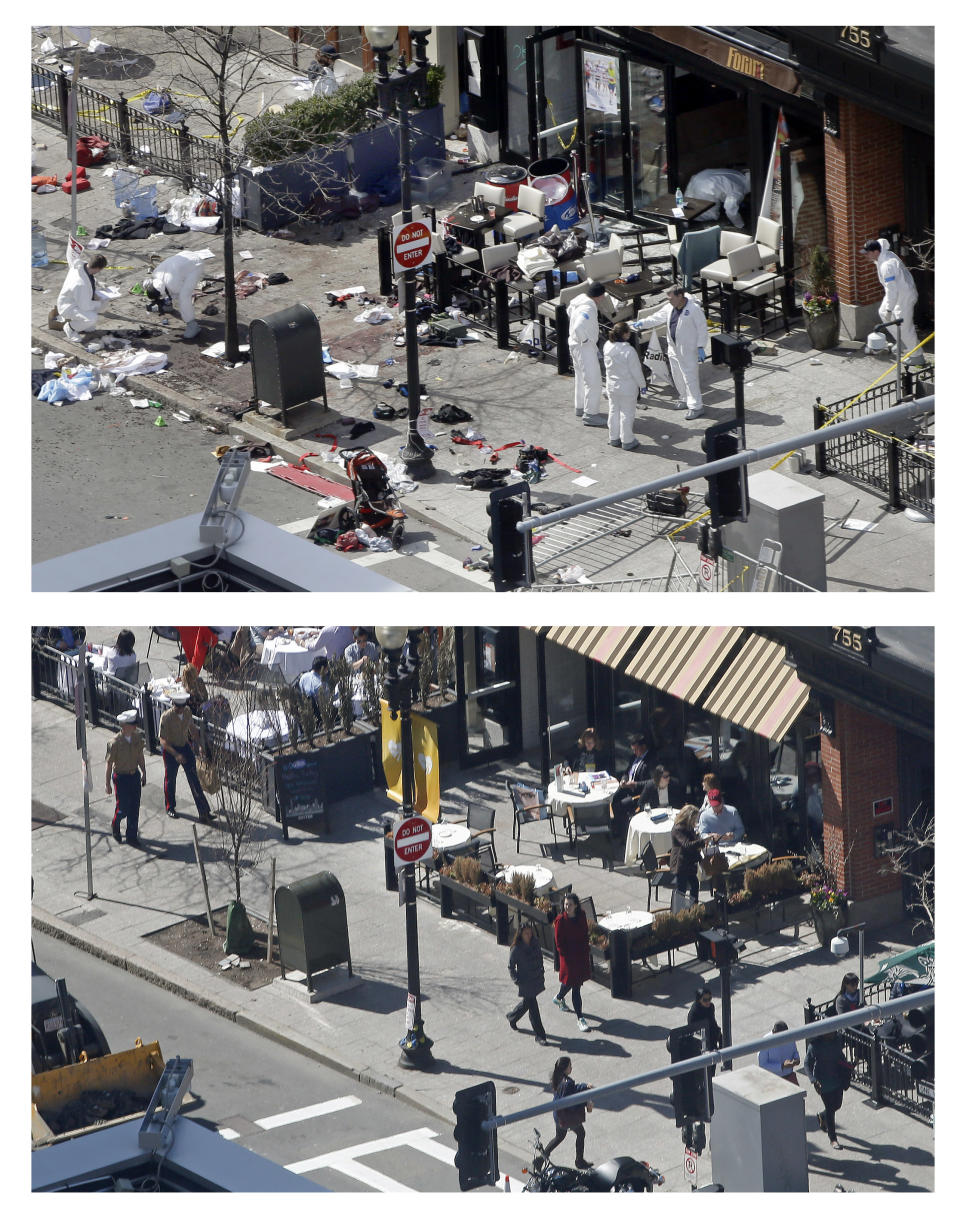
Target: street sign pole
80, 709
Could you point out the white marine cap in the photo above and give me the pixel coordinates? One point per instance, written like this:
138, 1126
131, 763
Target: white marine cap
128, 717
180, 698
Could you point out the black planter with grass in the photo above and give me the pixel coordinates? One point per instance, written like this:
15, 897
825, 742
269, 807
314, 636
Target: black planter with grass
458, 899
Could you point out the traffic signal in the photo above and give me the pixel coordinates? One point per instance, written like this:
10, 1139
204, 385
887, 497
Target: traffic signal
512, 554
692, 1093
727, 495
916, 1028
476, 1157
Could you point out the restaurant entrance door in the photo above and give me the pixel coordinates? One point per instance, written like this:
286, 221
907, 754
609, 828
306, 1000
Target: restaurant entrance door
489, 678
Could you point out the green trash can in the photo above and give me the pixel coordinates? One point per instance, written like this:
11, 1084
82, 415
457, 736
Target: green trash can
312, 926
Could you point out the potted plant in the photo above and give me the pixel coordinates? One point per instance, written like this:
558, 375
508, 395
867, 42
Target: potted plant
828, 906
821, 305
464, 887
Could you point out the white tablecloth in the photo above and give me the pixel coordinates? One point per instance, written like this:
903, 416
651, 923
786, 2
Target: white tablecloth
642, 830
542, 877
745, 855
600, 795
259, 728
289, 656
448, 836
625, 921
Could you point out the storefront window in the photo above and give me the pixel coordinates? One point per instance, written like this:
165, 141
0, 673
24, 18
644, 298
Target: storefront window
648, 128
516, 87
560, 94
566, 700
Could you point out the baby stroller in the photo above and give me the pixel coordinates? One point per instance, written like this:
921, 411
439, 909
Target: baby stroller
374, 500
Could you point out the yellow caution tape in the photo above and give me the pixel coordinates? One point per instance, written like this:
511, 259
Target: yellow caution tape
833, 418
573, 134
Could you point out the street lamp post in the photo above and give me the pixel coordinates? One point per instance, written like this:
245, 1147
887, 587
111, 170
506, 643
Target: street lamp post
398, 689
397, 88
840, 946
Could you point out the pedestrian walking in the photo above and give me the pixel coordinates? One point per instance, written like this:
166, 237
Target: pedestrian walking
573, 948
526, 970
830, 1073
686, 851
177, 735
583, 335
126, 776
625, 380
702, 1015
782, 1058
686, 344
571, 1118
899, 291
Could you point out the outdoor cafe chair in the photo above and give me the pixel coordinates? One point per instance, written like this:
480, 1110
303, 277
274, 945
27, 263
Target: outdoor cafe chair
656, 871
528, 219
588, 822
529, 805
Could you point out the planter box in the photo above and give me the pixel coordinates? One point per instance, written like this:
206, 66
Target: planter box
764, 917
456, 897
510, 911
345, 768
280, 194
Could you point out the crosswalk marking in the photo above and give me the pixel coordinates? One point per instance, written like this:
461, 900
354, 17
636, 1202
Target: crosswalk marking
429, 552
299, 527
296, 1116
419, 1138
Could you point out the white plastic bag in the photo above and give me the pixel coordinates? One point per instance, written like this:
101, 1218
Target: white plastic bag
656, 361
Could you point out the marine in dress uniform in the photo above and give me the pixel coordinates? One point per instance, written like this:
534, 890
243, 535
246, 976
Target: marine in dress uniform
126, 775
176, 733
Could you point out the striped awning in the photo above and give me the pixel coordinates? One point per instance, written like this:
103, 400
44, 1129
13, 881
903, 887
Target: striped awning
760, 691
683, 660
608, 645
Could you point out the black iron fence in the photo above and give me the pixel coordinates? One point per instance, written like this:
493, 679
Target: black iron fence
55, 677
135, 137
901, 467
891, 1075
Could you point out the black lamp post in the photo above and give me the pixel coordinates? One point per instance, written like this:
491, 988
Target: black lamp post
396, 88
399, 687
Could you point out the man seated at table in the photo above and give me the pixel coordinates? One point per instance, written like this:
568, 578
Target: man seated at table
315, 680
720, 822
624, 802
661, 790
361, 650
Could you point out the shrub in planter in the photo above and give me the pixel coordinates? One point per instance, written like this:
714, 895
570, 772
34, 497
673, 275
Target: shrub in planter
771, 881
272, 137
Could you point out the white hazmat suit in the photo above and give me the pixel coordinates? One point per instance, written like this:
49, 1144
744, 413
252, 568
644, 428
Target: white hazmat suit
625, 380
899, 294
683, 349
583, 336
177, 277
78, 304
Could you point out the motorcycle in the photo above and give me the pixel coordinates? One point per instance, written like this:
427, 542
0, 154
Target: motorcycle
618, 1175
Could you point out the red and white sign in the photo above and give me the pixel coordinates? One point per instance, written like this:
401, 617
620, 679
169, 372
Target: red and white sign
412, 245
412, 839
708, 568
690, 1165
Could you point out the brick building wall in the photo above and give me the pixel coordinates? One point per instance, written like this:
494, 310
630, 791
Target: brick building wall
859, 765
864, 187
810, 225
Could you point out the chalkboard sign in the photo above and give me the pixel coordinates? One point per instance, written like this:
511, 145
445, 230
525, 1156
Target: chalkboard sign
300, 789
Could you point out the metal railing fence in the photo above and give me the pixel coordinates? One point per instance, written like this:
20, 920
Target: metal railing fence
901, 467
135, 137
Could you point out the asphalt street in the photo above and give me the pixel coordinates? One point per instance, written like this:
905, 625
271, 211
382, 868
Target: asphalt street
167, 472
270, 1099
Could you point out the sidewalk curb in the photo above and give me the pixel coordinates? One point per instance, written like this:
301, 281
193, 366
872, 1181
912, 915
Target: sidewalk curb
289, 451
59, 929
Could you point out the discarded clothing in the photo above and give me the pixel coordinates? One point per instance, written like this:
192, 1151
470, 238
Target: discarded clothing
73, 385
38, 377
133, 228
133, 362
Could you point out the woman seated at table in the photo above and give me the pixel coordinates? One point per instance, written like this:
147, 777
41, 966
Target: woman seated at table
591, 756
120, 656
686, 849
661, 790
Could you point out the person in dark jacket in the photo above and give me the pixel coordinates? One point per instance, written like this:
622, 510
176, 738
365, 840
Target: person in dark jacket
702, 1015
830, 1073
571, 1118
573, 948
686, 849
624, 803
661, 790
590, 756
526, 970
849, 997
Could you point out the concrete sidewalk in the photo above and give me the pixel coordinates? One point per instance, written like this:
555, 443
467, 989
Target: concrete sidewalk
510, 399
465, 985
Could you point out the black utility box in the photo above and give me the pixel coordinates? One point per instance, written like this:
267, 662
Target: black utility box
286, 357
312, 926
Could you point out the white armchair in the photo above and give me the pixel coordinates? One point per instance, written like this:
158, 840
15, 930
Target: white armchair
528, 218
754, 281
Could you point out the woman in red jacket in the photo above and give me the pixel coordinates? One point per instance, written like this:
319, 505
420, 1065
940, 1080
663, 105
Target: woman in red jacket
573, 949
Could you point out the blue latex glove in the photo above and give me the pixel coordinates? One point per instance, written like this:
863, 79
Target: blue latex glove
701, 355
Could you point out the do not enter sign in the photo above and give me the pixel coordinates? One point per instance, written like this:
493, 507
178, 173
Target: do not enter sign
412, 839
411, 245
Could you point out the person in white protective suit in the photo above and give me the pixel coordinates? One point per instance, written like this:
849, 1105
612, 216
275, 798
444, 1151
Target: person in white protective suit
80, 300
899, 291
176, 278
625, 378
584, 334
686, 344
